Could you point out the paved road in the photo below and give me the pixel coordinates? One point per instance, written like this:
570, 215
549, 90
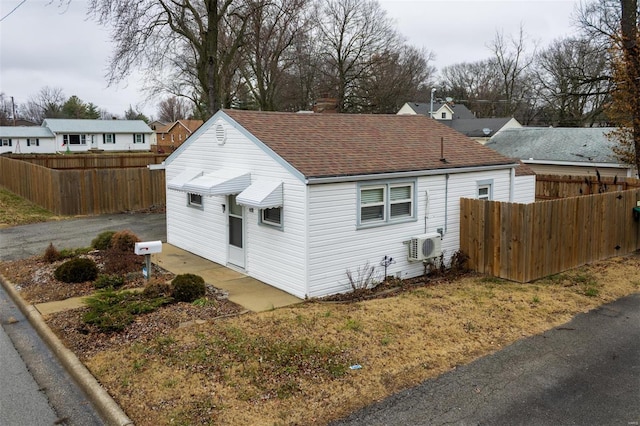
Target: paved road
34, 388
586, 372
19, 242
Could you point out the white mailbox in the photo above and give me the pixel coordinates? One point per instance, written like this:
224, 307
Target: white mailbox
148, 247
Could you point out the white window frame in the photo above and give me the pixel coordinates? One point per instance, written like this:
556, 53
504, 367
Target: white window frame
195, 200
264, 220
33, 142
108, 136
386, 203
66, 139
484, 189
6, 142
138, 138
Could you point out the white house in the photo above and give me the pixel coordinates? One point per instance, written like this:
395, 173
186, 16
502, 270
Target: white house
298, 200
26, 140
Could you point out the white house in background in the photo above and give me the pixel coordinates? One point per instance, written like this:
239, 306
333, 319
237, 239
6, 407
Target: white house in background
298, 200
104, 135
26, 140
562, 150
443, 111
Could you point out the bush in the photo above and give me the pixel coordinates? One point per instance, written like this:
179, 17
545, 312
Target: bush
156, 289
77, 270
124, 241
103, 240
188, 287
111, 311
51, 254
120, 263
108, 281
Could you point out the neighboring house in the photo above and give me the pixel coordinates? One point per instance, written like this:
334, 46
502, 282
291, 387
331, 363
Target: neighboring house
26, 140
173, 135
298, 200
562, 151
60, 135
461, 119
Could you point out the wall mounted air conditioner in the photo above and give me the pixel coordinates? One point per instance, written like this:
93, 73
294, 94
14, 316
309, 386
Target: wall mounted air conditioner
424, 247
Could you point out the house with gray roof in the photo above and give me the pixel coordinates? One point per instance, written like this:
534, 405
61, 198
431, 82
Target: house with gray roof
303, 201
461, 119
26, 140
562, 151
71, 135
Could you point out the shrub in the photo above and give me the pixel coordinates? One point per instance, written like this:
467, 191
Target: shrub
156, 289
120, 263
77, 270
112, 311
124, 241
51, 254
108, 281
103, 240
188, 287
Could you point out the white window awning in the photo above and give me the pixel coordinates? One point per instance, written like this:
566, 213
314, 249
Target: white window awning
220, 182
185, 176
262, 195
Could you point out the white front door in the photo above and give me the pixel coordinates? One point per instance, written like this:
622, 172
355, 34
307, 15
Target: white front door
236, 232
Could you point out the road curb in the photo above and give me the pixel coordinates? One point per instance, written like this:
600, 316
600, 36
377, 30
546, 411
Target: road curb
99, 397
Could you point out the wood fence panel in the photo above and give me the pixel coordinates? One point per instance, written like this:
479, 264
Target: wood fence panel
91, 161
524, 242
84, 191
550, 187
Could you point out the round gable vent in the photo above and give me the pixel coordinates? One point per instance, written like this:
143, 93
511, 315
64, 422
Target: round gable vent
221, 134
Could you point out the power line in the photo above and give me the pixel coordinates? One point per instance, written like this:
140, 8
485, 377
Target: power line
14, 9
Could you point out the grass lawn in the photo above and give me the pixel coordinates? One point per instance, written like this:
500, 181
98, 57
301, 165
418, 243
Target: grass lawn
15, 210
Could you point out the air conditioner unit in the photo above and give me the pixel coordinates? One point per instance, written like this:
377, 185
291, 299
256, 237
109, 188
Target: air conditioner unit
424, 247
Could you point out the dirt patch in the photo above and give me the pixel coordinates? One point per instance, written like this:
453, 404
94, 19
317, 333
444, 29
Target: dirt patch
190, 364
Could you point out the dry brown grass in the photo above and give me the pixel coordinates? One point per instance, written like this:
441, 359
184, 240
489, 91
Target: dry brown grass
15, 210
244, 370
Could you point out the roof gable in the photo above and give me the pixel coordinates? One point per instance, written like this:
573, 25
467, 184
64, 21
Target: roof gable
340, 145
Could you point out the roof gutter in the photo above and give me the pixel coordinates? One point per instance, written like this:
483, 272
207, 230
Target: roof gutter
574, 163
413, 173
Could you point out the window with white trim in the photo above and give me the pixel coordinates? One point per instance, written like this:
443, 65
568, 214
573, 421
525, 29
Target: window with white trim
485, 190
194, 200
272, 216
74, 139
138, 138
6, 142
109, 138
444, 114
386, 203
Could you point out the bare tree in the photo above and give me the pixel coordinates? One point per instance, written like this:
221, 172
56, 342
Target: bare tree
573, 81
477, 84
351, 34
47, 103
173, 109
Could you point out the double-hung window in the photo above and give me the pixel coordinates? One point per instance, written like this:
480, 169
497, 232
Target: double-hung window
386, 203
485, 190
138, 138
109, 138
6, 142
33, 142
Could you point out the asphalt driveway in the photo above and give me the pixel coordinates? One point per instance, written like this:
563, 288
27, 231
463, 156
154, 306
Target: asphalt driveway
586, 372
23, 241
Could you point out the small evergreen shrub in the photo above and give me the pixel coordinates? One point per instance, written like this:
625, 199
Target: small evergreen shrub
77, 270
188, 287
156, 289
108, 281
51, 254
103, 240
124, 241
112, 311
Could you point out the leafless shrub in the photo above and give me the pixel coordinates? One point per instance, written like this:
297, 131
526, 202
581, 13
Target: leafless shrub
363, 277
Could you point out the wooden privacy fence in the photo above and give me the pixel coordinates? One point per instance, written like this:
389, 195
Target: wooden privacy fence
524, 242
549, 187
86, 191
91, 161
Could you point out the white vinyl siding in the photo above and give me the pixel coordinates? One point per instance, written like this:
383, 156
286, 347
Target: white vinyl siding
194, 200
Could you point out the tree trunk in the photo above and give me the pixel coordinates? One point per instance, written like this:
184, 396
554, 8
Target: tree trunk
629, 25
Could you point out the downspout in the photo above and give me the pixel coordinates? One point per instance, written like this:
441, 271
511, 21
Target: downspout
512, 184
446, 202
426, 210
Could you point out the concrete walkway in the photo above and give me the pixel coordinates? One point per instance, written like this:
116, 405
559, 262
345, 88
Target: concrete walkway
247, 292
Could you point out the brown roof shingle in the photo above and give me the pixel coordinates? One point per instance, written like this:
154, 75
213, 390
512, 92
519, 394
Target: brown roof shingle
328, 145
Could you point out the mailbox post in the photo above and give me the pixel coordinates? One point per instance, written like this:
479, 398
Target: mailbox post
148, 248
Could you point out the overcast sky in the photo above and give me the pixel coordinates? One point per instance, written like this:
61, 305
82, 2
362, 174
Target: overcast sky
42, 44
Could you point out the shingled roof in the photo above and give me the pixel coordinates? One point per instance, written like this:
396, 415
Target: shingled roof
340, 145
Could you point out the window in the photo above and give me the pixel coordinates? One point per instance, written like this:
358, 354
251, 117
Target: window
385, 203
138, 138
109, 138
271, 217
180, 137
6, 142
74, 139
162, 137
444, 115
194, 200
33, 142
485, 190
